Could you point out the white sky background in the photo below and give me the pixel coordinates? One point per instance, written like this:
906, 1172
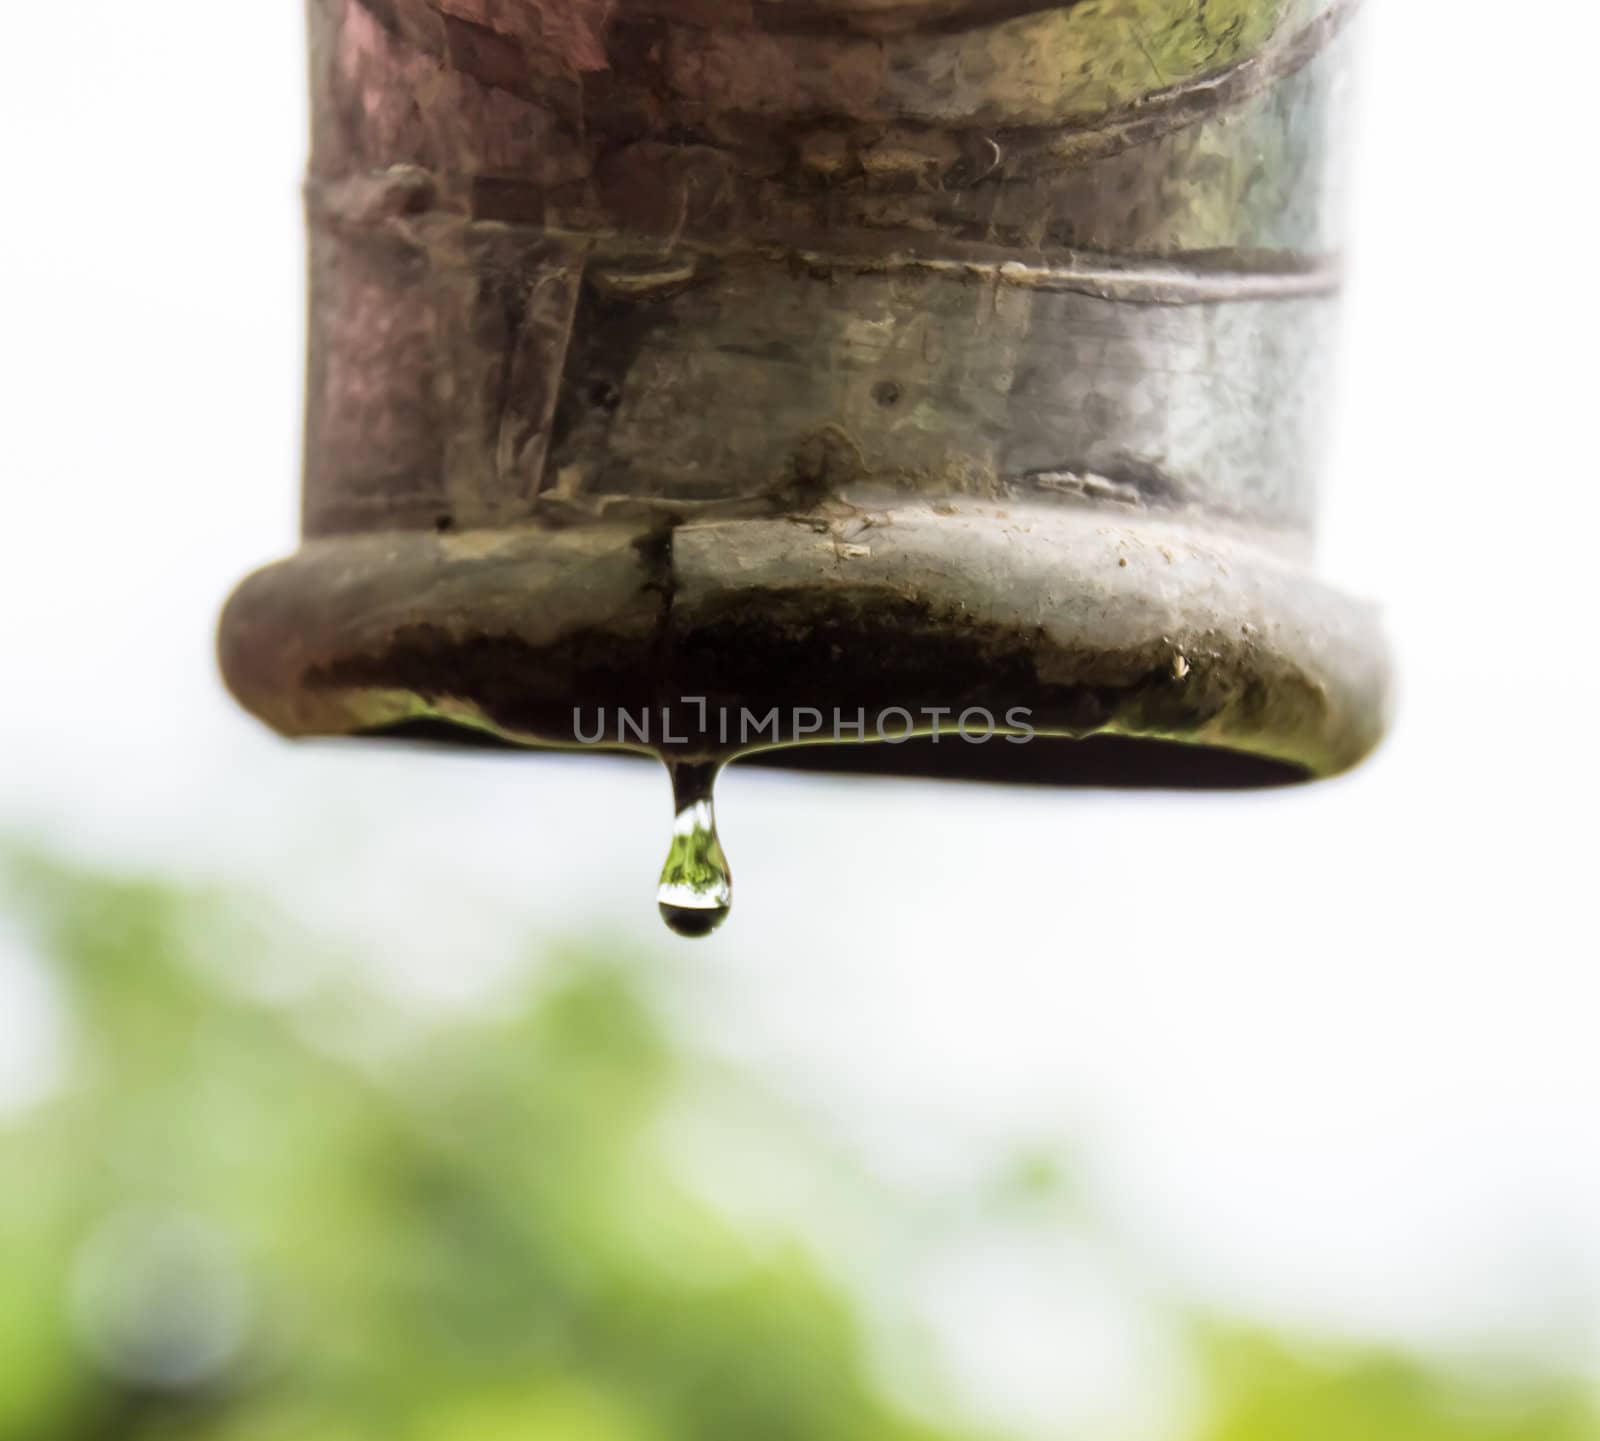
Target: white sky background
1330, 1054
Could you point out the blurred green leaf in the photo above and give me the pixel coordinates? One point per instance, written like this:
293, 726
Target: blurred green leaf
268, 1205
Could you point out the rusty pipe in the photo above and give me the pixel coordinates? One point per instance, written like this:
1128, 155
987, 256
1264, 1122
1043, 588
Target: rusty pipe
869, 354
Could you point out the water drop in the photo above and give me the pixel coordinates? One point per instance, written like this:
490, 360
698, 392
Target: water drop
696, 891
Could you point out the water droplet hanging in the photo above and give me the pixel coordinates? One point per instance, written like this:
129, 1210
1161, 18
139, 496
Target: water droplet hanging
696, 890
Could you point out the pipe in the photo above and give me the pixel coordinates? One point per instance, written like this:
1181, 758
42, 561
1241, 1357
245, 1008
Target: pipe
859, 357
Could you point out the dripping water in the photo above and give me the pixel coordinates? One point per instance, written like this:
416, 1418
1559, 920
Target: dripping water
696, 891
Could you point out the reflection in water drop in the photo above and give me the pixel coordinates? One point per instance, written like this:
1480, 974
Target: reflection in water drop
696, 891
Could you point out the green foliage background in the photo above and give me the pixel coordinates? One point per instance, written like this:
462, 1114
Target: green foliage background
467, 1233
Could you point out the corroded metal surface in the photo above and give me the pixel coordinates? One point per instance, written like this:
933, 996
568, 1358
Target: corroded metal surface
683, 345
